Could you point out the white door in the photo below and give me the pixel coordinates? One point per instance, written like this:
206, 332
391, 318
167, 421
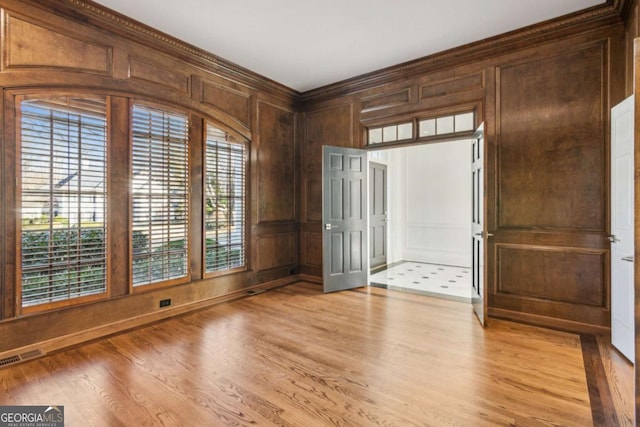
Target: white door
478, 233
622, 228
344, 208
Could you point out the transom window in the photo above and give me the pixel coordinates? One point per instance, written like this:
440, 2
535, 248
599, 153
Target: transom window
427, 128
160, 195
63, 164
224, 201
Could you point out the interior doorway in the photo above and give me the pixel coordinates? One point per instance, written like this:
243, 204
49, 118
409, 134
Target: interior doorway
427, 219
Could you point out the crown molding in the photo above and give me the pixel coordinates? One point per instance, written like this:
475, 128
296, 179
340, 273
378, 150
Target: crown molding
594, 17
97, 15
624, 8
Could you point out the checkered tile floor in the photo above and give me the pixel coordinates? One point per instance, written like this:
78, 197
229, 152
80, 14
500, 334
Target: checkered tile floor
427, 279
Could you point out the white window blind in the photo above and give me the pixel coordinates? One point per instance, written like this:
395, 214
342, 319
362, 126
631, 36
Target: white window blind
224, 202
63, 191
160, 193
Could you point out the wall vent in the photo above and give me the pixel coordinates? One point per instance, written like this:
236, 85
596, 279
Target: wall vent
11, 360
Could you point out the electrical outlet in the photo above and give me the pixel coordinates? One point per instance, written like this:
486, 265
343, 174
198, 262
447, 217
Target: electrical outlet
165, 302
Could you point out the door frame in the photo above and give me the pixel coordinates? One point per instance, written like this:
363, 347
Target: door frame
480, 132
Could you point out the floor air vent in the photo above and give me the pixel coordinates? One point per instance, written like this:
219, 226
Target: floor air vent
30, 354
9, 360
20, 358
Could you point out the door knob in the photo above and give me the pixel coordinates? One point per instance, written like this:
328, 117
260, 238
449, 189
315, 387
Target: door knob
612, 238
329, 226
627, 258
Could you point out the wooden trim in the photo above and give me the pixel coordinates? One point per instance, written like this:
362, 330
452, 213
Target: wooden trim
603, 409
310, 279
547, 322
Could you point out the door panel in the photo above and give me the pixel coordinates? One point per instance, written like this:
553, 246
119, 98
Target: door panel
378, 215
478, 233
343, 201
622, 228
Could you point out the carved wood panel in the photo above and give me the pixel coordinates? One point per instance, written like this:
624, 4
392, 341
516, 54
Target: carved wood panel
552, 143
276, 250
231, 101
331, 126
553, 273
30, 46
160, 74
276, 164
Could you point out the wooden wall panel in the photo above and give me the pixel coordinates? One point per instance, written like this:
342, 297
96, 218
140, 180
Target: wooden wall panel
164, 75
632, 32
276, 250
330, 126
276, 164
232, 101
553, 273
387, 100
312, 249
552, 146
450, 87
29, 45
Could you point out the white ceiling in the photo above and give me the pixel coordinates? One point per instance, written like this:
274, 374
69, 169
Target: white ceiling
305, 44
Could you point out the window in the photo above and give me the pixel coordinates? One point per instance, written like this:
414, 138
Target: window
160, 195
392, 133
447, 124
63, 164
224, 202
427, 128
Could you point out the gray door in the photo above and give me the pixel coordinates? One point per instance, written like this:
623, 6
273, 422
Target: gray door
344, 202
377, 216
478, 233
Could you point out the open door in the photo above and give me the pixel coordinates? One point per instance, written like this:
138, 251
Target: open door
478, 232
344, 209
377, 216
622, 228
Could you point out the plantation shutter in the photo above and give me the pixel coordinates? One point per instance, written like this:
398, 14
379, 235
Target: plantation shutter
160, 195
63, 164
224, 202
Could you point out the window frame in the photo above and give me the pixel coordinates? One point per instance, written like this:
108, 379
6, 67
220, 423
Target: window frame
143, 287
18, 99
416, 119
232, 138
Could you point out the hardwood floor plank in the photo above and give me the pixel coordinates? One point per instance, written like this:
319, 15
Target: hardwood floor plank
294, 356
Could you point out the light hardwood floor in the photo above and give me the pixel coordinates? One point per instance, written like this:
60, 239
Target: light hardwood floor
296, 357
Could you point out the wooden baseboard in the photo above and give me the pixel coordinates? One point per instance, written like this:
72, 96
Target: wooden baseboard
309, 278
43, 348
547, 322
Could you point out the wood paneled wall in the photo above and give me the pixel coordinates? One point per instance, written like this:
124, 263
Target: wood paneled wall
73, 46
544, 94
